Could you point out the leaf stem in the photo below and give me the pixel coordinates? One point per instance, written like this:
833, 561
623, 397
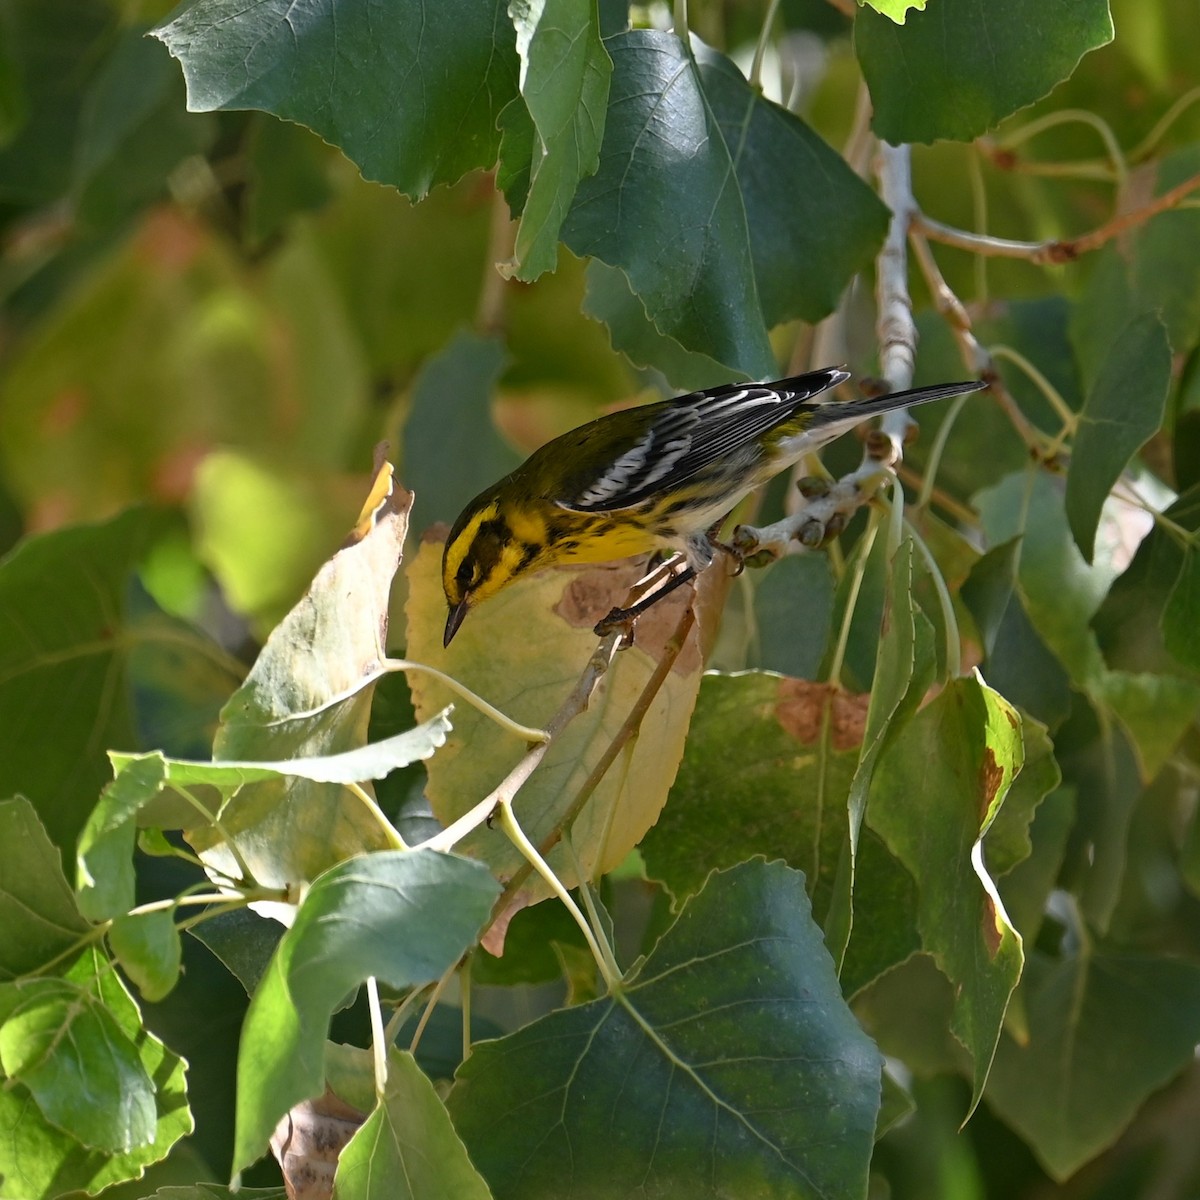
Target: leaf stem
760, 50
856, 580
379, 1045
1066, 116
526, 732
602, 954
247, 879
937, 450
1066, 413
432, 1003
394, 840
945, 605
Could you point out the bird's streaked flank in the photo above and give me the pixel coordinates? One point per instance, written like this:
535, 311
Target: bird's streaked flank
658, 477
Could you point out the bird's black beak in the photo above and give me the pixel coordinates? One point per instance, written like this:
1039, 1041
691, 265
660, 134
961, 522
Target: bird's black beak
455, 619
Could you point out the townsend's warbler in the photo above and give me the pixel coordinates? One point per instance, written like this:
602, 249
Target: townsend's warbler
661, 476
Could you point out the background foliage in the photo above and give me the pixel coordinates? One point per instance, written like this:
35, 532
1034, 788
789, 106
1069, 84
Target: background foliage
922, 843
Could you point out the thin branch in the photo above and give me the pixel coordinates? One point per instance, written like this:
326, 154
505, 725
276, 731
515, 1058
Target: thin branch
764, 40
1055, 251
512, 783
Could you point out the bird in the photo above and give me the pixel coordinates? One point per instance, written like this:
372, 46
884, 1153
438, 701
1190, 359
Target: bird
656, 477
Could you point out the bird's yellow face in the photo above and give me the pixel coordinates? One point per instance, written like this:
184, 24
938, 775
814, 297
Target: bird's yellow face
482, 556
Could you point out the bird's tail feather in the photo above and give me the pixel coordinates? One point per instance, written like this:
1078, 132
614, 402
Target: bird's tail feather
850, 412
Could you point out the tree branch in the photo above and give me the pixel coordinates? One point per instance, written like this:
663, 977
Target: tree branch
1055, 251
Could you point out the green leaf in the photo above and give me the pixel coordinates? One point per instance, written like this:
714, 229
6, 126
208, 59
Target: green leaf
904, 671
766, 770
1027, 887
1131, 623
83, 1072
565, 74
409, 92
1008, 840
104, 861
38, 917
148, 948
402, 916
451, 407
976, 65
753, 1078
786, 641
989, 588
43, 1161
63, 632
52, 46
661, 207
895, 10
609, 300
1180, 627
803, 202
214, 1191
713, 264
960, 754
133, 132
1123, 409
1153, 268
244, 941
1099, 760
407, 1148
1105, 1031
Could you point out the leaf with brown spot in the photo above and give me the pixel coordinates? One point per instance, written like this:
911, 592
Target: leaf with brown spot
766, 771
926, 804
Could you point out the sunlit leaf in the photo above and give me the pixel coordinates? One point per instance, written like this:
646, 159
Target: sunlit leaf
523, 651
565, 73
41, 1160
38, 917
309, 694
403, 917
148, 948
407, 1149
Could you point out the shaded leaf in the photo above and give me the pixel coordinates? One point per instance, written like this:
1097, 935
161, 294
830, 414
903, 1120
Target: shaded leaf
753, 1077
957, 761
451, 406
793, 612
1123, 409
766, 770
401, 916
976, 65
609, 299
38, 917
1180, 626
660, 206
407, 1149
1104, 1032
409, 93
904, 671
63, 632
244, 941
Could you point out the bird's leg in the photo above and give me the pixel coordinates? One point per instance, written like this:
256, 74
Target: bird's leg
625, 617
739, 559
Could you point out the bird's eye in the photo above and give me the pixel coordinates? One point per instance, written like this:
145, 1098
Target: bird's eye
467, 573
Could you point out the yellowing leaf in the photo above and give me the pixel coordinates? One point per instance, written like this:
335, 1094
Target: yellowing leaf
523, 651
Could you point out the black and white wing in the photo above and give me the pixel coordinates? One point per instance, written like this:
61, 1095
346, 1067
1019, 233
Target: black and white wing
690, 433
